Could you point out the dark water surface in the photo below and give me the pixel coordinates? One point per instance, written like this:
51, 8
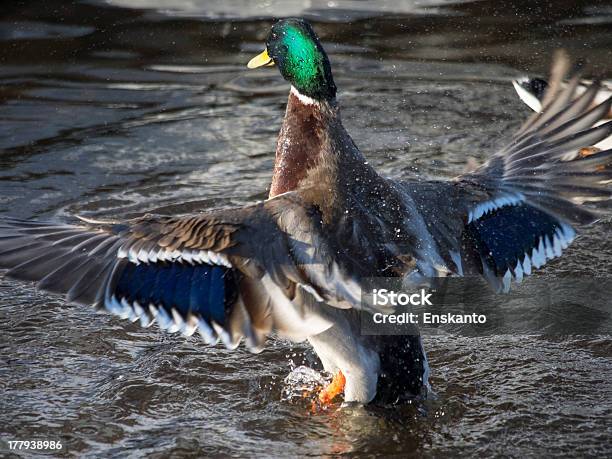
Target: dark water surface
122, 107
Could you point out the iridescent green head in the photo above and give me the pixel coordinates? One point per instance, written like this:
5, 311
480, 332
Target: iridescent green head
295, 48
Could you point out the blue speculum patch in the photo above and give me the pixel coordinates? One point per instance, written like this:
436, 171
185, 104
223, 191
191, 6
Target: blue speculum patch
199, 289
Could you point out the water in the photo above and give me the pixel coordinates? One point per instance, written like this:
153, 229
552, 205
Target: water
122, 107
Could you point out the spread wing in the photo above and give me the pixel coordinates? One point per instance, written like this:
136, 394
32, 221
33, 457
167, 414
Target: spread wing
227, 274
522, 206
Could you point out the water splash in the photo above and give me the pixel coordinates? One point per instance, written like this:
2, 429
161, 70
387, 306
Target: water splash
302, 382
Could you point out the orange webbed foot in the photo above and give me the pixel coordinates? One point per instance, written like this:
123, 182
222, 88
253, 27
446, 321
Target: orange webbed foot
336, 387
588, 151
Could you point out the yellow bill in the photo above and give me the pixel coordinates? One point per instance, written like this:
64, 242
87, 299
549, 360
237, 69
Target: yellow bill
260, 60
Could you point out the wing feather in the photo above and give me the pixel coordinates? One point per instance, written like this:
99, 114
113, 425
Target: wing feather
521, 208
229, 274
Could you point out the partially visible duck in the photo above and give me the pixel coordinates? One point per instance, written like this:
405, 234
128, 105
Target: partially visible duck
295, 264
534, 92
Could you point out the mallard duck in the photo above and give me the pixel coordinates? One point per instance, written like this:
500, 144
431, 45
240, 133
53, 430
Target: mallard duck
295, 264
